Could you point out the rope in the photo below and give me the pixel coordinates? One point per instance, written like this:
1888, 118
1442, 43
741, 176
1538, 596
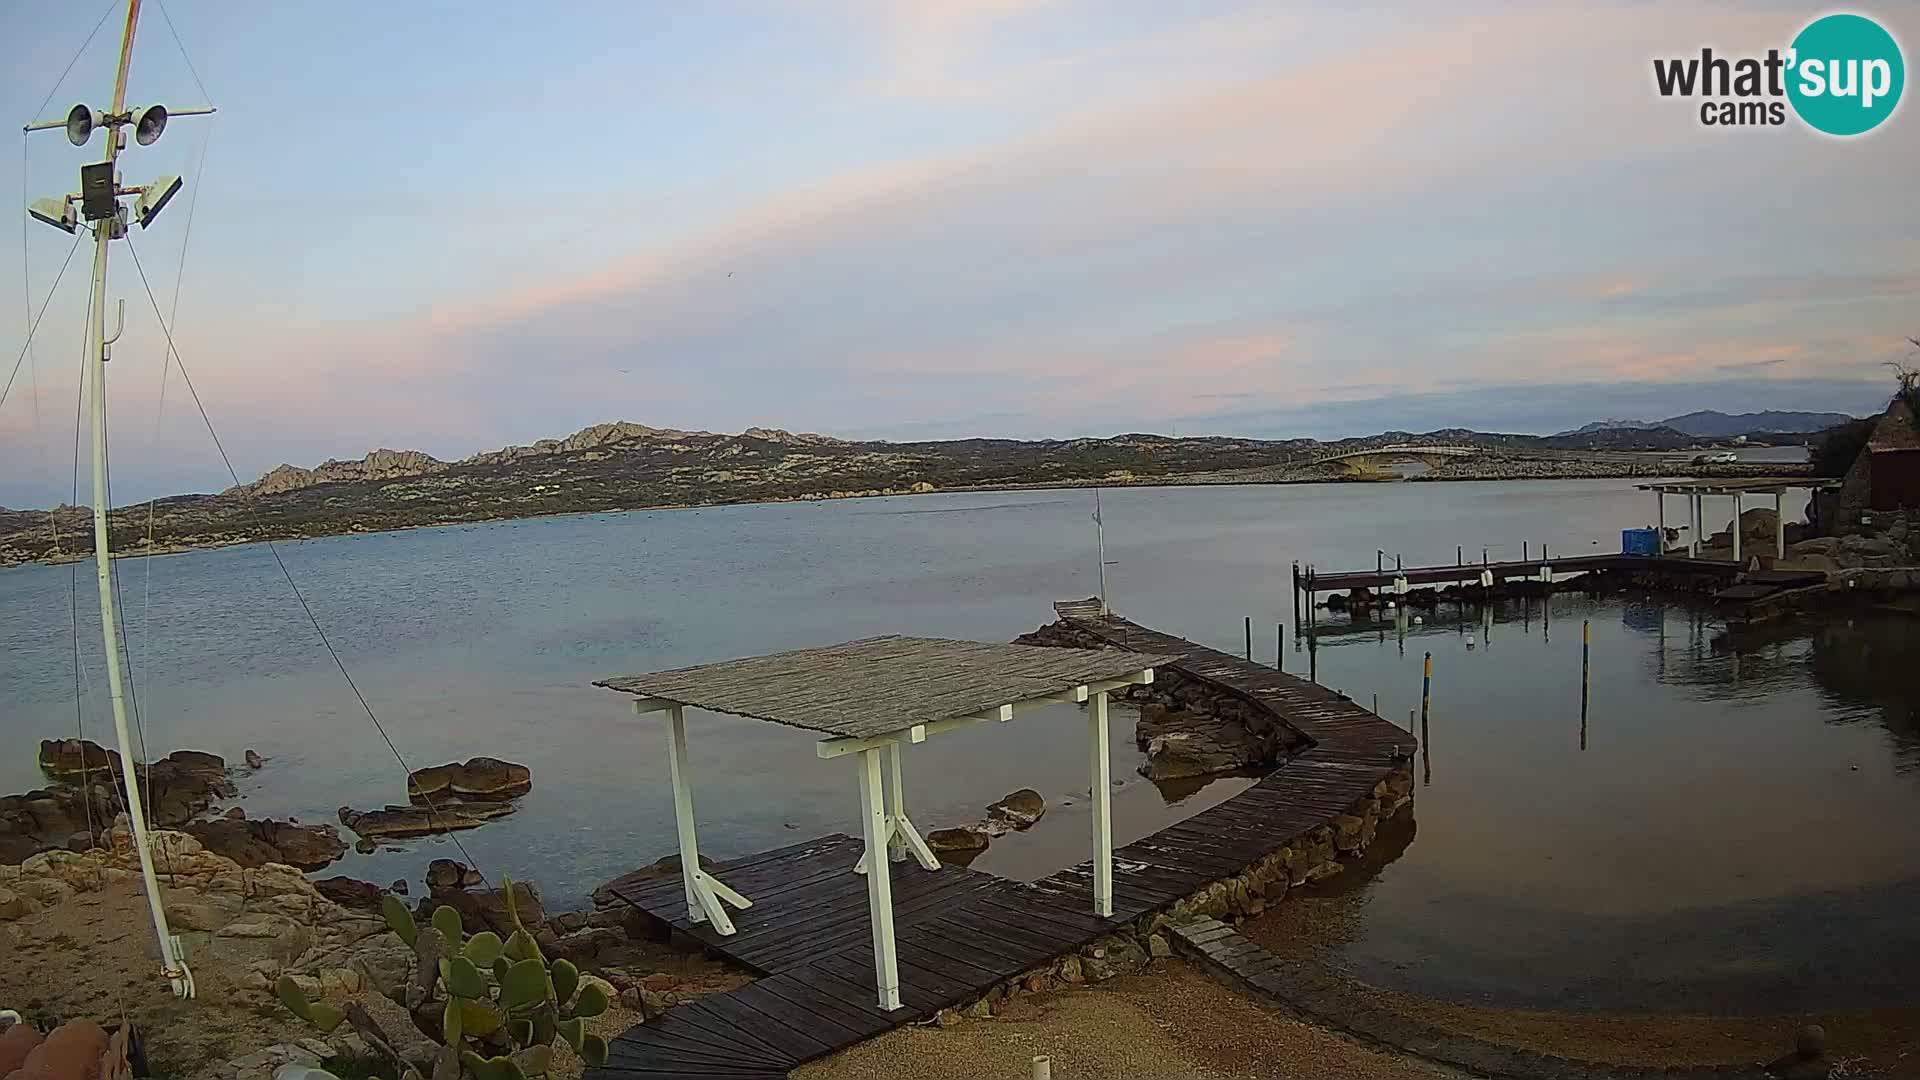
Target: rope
64, 72
254, 513
36, 319
159, 416
184, 55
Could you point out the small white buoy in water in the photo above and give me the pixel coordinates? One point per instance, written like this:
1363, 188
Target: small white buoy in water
1419, 620
1469, 641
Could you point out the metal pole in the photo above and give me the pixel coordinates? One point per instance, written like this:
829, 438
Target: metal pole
1426, 692
1279, 646
1779, 525
1523, 552
1249, 639
1296, 594
170, 966
1100, 531
1376, 704
1586, 669
1042, 1067
1736, 528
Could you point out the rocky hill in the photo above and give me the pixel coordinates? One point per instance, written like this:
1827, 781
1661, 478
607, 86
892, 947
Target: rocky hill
625, 465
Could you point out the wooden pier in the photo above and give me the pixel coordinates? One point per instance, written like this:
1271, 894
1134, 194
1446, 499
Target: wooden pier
1310, 582
961, 932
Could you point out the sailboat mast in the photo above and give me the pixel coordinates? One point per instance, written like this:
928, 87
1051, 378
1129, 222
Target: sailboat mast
103, 231
1100, 530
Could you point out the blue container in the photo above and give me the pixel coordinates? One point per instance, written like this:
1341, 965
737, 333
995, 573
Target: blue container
1640, 541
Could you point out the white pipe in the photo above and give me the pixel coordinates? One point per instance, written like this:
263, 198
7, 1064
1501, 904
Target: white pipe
1042, 1067
170, 965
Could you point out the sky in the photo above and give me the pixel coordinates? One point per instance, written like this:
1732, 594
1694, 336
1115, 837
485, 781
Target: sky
452, 227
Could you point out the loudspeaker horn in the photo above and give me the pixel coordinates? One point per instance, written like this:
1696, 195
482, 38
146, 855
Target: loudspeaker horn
79, 125
148, 123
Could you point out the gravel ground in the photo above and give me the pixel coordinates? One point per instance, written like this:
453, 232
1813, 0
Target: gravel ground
1175, 1022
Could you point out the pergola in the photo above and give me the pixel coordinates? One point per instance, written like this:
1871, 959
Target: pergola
870, 698
1696, 492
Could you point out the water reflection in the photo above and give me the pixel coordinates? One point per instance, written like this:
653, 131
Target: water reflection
1709, 829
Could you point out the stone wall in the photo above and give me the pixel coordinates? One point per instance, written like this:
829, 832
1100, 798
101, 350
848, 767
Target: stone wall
1235, 731
1310, 857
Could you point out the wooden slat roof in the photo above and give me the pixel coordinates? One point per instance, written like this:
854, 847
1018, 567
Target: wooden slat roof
882, 685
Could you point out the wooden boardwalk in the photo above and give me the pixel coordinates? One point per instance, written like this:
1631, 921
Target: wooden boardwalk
960, 931
1523, 569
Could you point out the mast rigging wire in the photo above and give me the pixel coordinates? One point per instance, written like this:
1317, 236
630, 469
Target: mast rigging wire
37, 318
272, 549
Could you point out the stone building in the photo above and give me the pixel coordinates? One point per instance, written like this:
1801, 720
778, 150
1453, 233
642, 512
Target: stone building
1886, 475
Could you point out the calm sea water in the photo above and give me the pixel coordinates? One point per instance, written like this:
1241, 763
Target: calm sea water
1715, 775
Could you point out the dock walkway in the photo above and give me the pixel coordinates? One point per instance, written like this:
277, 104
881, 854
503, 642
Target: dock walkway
1460, 573
961, 932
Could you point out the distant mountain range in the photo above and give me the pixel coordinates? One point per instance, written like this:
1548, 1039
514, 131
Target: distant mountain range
1711, 424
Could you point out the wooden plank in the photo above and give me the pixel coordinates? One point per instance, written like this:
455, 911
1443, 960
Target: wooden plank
827, 1030
996, 943
858, 970
802, 990
982, 971
798, 1046
658, 1052
1016, 929
702, 1016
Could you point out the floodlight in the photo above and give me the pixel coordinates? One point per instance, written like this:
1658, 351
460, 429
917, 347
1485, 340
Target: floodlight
154, 198
57, 212
79, 125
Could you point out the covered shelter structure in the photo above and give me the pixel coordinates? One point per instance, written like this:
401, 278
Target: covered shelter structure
1698, 490
869, 699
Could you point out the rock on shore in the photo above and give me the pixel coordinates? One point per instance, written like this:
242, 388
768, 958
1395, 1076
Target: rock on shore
255, 843
483, 778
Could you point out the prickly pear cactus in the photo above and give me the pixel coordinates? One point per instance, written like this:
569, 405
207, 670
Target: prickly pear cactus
501, 1004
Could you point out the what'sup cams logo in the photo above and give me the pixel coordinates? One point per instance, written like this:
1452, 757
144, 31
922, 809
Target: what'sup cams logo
1842, 75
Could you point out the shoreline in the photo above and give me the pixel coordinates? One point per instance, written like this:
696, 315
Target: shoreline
1602, 471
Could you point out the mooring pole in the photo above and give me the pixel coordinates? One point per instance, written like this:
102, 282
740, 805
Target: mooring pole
1459, 555
1279, 646
1523, 551
1586, 669
1249, 639
1426, 693
1296, 594
1376, 704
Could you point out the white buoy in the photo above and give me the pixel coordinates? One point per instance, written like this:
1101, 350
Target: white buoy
1469, 641
1419, 620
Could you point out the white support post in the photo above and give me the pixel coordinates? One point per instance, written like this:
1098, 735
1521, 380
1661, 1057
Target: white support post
896, 808
902, 838
704, 892
1693, 529
1100, 778
1735, 529
1779, 525
873, 828
1660, 519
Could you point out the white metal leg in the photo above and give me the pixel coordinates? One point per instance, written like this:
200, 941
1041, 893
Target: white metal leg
896, 807
704, 891
1779, 525
902, 838
873, 828
1101, 779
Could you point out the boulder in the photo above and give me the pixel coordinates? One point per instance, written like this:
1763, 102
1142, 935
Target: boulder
405, 821
959, 838
1017, 811
253, 759
257, 842
53, 819
350, 892
486, 908
71, 1051
15, 906
448, 874
1183, 753
484, 778
16, 1042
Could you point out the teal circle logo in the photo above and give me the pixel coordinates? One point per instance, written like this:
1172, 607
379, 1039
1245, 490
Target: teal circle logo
1845, 74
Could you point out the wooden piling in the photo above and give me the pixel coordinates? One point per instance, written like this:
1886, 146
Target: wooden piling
1296, 593
1279, 646
1586, 675
1249, 639
1426, 693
